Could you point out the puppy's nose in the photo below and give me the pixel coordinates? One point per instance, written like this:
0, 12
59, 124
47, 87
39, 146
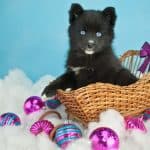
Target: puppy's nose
91, 44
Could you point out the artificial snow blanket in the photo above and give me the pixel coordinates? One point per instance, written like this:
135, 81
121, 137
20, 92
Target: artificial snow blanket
16, 87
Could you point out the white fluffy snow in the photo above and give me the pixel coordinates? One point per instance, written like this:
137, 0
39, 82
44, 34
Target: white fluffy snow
16, 87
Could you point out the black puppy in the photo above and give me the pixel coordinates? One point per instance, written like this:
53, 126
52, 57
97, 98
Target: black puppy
91, 58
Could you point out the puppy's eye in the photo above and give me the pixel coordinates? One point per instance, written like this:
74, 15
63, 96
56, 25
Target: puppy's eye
98, 34
82, 32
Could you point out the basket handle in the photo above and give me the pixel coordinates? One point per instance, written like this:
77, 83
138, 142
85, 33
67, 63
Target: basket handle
50, 112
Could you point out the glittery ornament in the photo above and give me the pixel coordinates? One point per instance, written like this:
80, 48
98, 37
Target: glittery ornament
9, 119
33, 104
104, 138
135, 123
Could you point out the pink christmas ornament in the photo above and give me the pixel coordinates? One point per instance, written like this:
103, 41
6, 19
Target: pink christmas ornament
43, 125
40, 126
33, 104
135, 123
104, 138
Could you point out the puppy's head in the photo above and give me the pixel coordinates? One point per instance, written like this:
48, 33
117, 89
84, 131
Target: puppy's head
90, 31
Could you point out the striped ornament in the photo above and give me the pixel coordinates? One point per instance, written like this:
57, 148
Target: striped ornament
41, 126
9, 119
65, 134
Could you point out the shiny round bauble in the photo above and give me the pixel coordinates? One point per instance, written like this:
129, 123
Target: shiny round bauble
33, 104
104, 138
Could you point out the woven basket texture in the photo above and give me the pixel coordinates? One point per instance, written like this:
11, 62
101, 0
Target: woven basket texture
86, 103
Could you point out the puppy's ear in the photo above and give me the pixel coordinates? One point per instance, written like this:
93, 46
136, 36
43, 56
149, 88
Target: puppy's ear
110, 15
75, 11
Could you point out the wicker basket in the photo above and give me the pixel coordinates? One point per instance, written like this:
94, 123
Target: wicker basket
86, 103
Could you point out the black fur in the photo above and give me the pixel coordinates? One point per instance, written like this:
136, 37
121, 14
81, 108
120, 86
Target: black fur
91, 34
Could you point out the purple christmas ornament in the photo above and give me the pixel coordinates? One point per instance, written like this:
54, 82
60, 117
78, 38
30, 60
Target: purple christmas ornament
104, 138
135, 123
32, 104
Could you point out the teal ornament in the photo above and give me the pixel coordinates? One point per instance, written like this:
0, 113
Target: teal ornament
52, 103
146, 115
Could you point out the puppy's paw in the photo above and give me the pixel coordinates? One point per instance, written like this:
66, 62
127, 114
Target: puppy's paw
132, 80
125, 77
49, 91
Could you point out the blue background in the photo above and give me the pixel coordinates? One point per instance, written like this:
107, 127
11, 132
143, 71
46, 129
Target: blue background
33, 33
